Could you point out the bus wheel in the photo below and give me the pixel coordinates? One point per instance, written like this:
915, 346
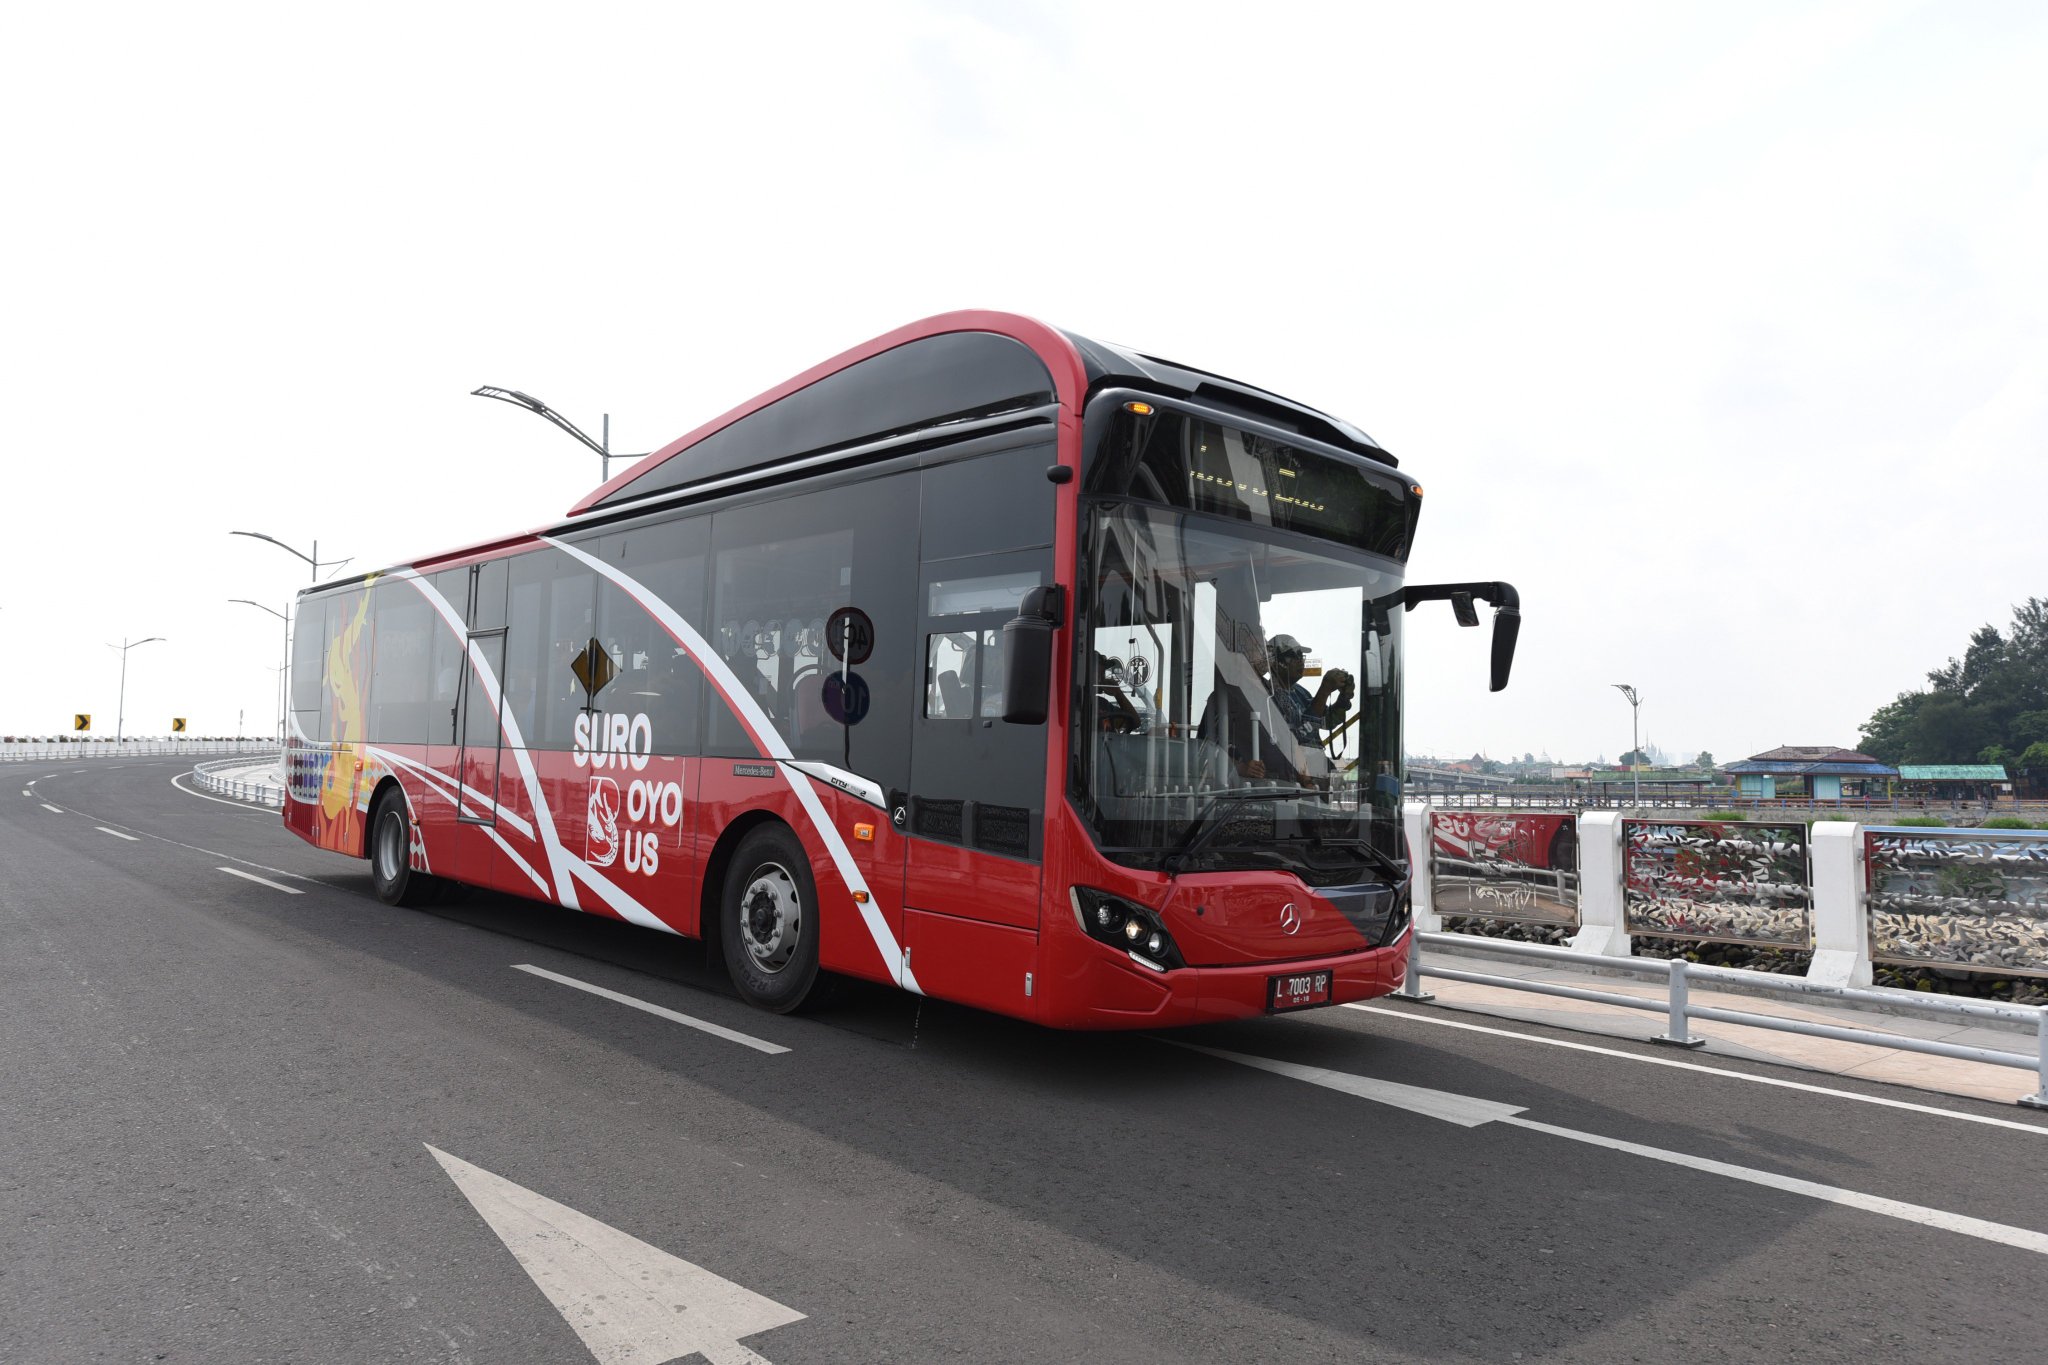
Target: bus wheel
769, 927
391, 855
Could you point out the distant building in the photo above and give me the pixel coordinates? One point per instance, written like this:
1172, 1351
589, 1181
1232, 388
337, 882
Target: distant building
1826, 772
1955, 781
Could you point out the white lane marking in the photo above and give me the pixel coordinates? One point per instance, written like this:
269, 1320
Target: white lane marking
1467, 1110
2040, 1129
627, 1300
222, 800
716, 1030
1463, 1110
52, 809
2024, 1238
251, 876
117, 834
32, 781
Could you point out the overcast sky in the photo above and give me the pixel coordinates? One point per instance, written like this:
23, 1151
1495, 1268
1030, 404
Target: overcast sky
1720, 330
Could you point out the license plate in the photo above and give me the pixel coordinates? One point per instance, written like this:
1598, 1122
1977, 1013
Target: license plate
1297, 991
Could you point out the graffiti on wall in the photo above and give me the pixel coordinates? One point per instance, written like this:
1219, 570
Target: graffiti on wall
1497, 865
1735, 882
1958, 898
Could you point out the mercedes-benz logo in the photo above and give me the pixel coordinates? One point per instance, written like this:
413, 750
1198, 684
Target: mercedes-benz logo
1290, 918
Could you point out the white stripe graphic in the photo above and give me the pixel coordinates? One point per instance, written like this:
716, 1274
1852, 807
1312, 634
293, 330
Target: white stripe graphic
524, 866
464, 798
558, 857
771, 743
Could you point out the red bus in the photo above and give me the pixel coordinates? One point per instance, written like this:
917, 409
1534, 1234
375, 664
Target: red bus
984, 660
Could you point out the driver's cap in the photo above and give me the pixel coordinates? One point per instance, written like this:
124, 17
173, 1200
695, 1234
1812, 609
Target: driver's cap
1286, 644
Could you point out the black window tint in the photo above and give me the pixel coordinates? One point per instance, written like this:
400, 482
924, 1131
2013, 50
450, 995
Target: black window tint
488, 611
480, 728
922, 382
652, 674
994, 502
444, 656
400, 683
782, 569
551, 623
309, 642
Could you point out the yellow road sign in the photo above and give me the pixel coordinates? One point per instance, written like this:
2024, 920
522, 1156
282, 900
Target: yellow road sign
80, 720
177, 725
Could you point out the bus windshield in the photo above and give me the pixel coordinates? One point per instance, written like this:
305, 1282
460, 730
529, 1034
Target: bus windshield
1239, 703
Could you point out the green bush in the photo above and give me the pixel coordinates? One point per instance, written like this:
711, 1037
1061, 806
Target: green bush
1723, 815
2007, 822
1923, 821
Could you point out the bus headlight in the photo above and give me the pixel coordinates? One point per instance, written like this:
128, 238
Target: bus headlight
1126, 926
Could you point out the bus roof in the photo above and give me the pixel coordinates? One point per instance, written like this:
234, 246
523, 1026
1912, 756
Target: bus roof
948, 367
951, 366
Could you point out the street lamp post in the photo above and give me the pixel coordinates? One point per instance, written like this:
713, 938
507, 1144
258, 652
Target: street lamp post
1635, 766
285, 669
312, 559
121, 710
517, 399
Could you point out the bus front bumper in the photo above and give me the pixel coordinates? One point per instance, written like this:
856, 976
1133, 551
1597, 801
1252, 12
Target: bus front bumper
1112, 994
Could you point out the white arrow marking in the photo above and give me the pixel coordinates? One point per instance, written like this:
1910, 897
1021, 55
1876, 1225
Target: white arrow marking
1468, 1112
631, 1303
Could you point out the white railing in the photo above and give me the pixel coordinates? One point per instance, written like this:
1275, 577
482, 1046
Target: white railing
45, 751
1678, 1009
229, 778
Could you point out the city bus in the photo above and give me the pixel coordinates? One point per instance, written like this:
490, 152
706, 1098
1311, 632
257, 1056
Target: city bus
983, 660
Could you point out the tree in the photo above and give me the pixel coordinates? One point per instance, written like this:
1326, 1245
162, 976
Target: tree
1634, 757
1705, 760
1995, 697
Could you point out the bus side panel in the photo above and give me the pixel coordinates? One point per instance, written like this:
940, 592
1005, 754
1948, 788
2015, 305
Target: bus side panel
733, 789
974, 962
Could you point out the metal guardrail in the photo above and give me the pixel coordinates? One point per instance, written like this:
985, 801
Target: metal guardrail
44, 751
215, 778
1678, 1008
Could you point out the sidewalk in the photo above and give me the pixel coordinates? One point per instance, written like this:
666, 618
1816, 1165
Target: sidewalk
1947, 1075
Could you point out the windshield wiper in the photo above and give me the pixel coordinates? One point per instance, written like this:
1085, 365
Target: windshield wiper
1204, 826
1395, 869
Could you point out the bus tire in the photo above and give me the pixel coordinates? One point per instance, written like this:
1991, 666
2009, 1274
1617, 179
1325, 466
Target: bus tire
768, 921
390, 847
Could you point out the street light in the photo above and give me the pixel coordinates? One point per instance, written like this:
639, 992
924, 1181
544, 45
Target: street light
121, 711
1635, 710
285, 669
313, 559
534, 405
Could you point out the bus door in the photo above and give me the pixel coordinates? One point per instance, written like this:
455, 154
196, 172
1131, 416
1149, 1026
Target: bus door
975, 808
481, 732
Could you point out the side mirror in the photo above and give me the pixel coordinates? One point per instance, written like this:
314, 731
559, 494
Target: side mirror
1027, 657
1507, 628
1507, 616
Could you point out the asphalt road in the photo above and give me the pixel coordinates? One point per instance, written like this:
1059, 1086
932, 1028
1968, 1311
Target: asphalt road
218, 1099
